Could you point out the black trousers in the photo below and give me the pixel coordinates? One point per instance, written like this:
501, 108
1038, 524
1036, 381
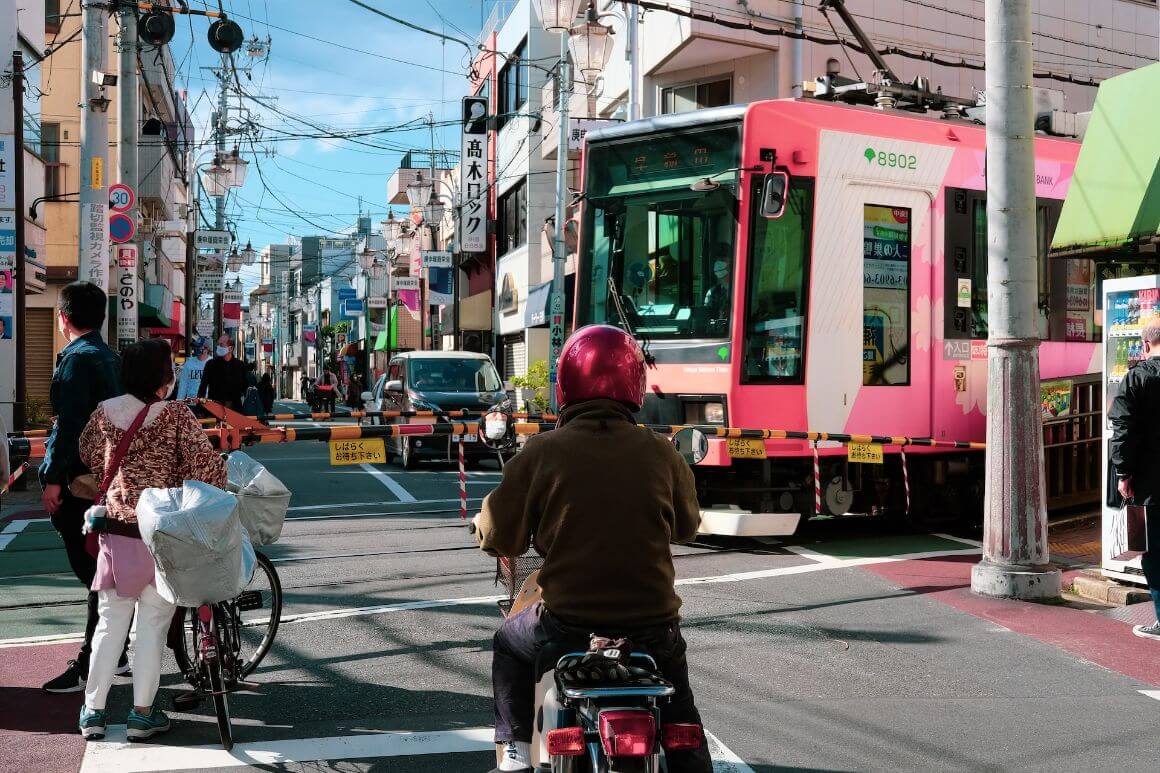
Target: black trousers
513, 675
67, 520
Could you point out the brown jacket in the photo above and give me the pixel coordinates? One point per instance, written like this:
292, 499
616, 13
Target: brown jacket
602, 499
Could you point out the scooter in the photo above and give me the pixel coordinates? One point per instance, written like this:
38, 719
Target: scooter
597, 711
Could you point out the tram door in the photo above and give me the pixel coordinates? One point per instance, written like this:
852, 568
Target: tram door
870, 349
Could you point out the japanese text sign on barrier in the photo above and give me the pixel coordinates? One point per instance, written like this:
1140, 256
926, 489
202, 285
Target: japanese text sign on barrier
358, 451
745, 448
866, 453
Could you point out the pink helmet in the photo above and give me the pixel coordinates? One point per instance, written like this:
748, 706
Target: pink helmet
601, 361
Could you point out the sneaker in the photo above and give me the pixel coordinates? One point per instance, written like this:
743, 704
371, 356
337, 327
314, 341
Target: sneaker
141, 726
516, 756
92, 723
1148, 631
72, 680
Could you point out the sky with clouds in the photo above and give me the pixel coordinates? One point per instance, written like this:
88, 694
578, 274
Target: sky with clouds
341, 67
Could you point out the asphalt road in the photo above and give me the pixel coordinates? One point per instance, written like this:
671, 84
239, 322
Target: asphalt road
849, 648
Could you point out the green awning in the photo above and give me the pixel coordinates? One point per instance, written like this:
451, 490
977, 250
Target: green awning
1113, 202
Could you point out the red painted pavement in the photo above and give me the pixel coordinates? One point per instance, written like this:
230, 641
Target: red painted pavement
38, 731
1094, 637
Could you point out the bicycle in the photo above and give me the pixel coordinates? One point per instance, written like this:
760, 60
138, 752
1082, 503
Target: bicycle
220, 644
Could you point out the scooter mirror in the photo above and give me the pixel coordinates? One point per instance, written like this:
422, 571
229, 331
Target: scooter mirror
495, 430
692, 445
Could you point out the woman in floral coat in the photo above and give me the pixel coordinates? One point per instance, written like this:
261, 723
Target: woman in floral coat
168, 449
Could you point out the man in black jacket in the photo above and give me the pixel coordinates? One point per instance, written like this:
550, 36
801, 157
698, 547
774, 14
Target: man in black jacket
1135, 452
87, 373
224, 378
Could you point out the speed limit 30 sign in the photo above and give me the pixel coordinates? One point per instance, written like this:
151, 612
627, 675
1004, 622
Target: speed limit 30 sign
121, 197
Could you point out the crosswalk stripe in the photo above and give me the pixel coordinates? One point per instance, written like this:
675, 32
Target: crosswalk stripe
115, 753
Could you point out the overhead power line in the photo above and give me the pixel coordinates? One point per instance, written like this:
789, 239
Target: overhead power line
761, 29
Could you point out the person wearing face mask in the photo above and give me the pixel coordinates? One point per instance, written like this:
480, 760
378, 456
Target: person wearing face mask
224, 379
192, 371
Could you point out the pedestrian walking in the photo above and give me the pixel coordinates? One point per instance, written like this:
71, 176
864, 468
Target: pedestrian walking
252, 402
87, 372
327, 387
224, 379
192, 370
354, 392
1135, 452
266, 393
134, 442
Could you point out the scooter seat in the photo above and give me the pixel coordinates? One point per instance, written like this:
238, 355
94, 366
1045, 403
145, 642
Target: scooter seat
591, 675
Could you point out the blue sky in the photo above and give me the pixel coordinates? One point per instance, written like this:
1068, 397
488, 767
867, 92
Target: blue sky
402, 76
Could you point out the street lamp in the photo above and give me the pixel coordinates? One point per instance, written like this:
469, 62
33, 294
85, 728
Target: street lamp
227, 172
591, 45
433, 211
557, 15
392, 227
249, 254
366, 258
419, 191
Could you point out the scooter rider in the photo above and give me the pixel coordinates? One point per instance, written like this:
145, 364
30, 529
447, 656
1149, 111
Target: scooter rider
602, 499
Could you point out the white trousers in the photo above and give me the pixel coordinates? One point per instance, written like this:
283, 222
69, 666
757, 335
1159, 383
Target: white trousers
153, 616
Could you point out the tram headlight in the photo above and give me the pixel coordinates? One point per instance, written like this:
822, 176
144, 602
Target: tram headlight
714, 413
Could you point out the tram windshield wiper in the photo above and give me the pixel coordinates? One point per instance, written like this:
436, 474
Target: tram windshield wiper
618, 302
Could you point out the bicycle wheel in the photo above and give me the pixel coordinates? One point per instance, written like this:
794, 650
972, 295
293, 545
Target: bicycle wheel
221, 702
258, 609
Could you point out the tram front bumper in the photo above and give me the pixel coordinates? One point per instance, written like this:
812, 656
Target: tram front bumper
735, 522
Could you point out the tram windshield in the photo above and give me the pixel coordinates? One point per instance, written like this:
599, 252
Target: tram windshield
667, 248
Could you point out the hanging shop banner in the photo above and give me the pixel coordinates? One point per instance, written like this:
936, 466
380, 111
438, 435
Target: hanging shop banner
127, 293
439, 286
376, 302
436, 259
406, 283
353, 307
210, 282
410, 299
7, 174
310, 334
211, 240
473, 176
267, 345
345, 294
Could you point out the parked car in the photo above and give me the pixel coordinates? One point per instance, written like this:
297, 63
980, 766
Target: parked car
440, 381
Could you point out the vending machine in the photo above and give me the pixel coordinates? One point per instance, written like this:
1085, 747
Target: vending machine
1128, 303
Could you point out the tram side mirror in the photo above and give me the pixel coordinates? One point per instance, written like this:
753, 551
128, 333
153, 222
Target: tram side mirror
394, 386
773, 196
691, 444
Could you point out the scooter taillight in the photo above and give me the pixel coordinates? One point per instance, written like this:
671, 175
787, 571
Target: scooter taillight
680, 736
566, 742
628, 733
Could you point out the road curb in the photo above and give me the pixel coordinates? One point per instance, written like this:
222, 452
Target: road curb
1092, 586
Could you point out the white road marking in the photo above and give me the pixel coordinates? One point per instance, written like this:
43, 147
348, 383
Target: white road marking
813, 555
115, 753
1155, 694
340, 505
11, 530
398, 514
392, 485
964, 540
724, 760
760, 574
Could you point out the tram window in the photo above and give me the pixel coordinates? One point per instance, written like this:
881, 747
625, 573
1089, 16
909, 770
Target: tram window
670, 256
1066, 287
775, 302
885, 295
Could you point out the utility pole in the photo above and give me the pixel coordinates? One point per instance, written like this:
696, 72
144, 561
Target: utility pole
796, 71
19, 412
556, 305
632, 53
219, 128
1016, 559
93, 261
129, 127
